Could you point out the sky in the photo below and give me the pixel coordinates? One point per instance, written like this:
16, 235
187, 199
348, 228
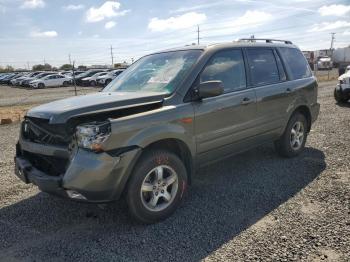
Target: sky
34, 31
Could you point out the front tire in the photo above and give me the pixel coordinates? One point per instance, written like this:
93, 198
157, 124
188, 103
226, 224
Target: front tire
157, 186
93, 83
41, 85
293, 140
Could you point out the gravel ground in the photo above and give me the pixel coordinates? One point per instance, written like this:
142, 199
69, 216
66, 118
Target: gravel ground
254, 207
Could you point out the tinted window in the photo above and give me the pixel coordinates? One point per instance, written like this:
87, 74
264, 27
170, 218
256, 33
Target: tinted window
296, 62
263, 66
228, 67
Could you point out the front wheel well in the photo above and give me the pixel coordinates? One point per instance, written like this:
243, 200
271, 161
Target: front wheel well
177, 147
305, 111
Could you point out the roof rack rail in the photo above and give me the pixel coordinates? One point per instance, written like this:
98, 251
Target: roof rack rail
266, 40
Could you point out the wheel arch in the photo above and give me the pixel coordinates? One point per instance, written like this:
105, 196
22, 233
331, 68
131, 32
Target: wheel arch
305, 111
179, 148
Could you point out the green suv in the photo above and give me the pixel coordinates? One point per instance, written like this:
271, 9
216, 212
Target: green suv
170, 113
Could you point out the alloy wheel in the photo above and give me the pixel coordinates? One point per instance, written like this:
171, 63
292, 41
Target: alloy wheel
159, 188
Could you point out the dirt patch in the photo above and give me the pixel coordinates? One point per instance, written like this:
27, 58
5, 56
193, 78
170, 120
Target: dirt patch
13, 114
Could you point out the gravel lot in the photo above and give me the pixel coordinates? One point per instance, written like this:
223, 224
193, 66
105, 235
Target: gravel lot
253, 207
10, 96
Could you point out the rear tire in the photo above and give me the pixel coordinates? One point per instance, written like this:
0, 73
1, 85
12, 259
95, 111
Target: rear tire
293, 140
156, 187
340, 97
65, 83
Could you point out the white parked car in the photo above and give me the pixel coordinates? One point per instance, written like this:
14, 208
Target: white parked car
104, 80
92, 80
342, 90
50, 81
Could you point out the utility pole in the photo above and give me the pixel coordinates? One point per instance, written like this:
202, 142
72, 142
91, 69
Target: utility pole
332, 41
75, 85
198, 34
28, 65
70, 60
112, 56
331, 49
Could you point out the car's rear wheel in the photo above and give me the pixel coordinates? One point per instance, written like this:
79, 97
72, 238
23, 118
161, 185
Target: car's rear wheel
156, 187
293, 140
65, 83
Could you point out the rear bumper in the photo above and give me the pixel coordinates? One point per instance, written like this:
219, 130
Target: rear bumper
97, 177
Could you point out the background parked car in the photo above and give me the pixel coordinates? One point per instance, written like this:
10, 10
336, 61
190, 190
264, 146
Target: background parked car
104, 80
39, 76
92, 80
7, 80
18, 81
79, 78
51, 81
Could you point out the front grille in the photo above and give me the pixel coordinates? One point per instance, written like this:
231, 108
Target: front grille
40, 131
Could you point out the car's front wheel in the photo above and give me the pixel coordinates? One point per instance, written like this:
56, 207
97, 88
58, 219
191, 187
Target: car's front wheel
157, 186
292, 141
92, 83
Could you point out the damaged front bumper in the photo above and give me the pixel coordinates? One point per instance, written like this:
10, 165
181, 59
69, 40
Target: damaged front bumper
88, 176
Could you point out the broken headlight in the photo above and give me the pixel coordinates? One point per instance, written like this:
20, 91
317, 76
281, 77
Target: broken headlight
92, 135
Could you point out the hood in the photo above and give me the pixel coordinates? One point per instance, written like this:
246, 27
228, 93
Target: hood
61, 110
86, 78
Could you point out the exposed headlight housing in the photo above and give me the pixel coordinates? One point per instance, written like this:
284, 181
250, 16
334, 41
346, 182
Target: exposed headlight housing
92, 135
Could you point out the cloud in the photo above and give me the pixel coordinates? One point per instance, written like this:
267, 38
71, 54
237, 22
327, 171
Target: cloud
334, 10
33, 4
74, 7
347, 32
179, 22
329, 26
107, 10
252, 18
45, 34
110, 24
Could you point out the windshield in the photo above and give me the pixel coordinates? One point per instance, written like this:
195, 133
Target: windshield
156, 73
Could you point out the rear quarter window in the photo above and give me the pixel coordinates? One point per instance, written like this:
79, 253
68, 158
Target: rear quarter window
296, 62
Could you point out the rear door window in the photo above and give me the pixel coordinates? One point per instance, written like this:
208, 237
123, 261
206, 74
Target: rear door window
263, 67
296, 63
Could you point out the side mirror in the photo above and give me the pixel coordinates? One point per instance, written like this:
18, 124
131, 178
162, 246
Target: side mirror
210, 89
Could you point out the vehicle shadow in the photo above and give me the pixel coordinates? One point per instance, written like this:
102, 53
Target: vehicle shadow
225, 199
343, 104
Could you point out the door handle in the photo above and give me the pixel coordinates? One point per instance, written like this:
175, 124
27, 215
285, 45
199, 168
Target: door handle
246, 101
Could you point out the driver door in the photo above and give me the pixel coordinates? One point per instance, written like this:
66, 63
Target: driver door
225, 123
